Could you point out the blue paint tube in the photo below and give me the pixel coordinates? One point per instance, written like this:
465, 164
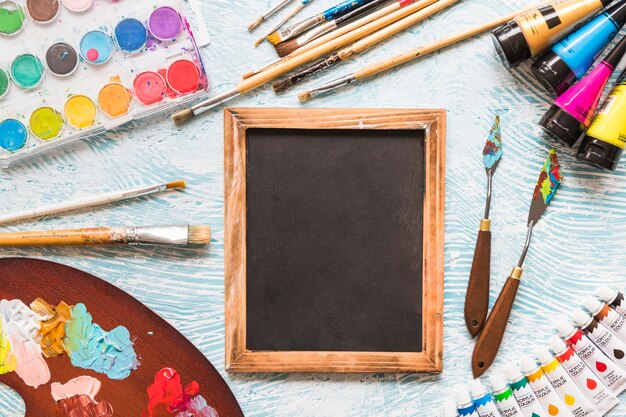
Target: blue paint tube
570, 58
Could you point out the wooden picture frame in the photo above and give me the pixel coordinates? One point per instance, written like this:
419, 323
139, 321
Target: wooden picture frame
237, 122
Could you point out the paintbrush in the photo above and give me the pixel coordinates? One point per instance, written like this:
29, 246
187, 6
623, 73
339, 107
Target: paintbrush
291, 13
183, 235
488, 342
404, 57
92, 201
267, 14
286, 47
342, 31
290, 63
332, 13
477, 296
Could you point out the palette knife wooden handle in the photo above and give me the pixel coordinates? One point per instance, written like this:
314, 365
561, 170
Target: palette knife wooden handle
490, 338
477, 296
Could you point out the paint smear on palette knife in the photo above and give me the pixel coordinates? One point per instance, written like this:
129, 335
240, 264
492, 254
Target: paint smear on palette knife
492, 152
77, 397
549, 179
168, 399
20, 325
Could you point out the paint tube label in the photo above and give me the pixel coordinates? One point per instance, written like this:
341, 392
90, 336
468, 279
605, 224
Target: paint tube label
580, 49
615, 322
542, 27
609, 125
547, 396
526, 399
468, 411
619, 304
612, 375
486, 407
507, 404
568, 391
588, 382
608, 343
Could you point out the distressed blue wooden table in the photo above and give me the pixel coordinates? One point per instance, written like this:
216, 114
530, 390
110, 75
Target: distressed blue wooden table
578, 244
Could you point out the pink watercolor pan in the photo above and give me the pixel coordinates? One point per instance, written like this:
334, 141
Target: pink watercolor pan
149, 88
78, 6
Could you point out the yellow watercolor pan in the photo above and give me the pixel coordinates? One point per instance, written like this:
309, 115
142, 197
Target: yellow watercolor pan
80, 112
46, 123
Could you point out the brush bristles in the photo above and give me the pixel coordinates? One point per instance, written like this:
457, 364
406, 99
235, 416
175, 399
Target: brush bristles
258, 42
287, 47
280, 86
305, 96
199, 235
274, 38
256, 23
183, 116
248, 75
176, 184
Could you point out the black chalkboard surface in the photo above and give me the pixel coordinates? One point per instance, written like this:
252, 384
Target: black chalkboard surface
334, 239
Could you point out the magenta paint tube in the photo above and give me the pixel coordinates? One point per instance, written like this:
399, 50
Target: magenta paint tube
613, 298
572, 112
607, 316
606, 340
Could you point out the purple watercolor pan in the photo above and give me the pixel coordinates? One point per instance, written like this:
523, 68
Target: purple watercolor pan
165, 23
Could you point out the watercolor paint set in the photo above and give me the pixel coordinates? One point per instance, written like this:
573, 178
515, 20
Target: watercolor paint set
75, 68
581, 374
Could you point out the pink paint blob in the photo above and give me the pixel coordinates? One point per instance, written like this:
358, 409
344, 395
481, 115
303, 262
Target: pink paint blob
92, 55
31, 366
82, 385
183, 76
149, 88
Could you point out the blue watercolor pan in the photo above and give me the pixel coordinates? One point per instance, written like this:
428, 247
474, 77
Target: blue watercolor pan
131, 35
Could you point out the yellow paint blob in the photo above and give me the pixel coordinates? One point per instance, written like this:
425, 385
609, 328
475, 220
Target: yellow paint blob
46, 123
52, 328
8, 361
569, 400
553, 410
114, 99
80, 112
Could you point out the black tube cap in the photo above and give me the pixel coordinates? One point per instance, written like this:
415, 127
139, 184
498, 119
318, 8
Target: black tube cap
511, 44
599, 153
562, 126
552, 71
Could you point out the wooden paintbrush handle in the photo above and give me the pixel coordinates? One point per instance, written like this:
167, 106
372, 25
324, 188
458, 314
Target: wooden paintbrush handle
477, 296
490, 338
73, 237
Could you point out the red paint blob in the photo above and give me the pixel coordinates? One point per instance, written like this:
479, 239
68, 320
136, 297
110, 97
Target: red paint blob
591, 384
149, 88
183, 76
600, 366
92, 55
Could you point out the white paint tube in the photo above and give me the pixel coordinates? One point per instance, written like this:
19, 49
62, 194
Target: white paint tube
607, 316
547, 396
595, 390
564, 385
482, 400
523, 392
503, 396
613, 298
610, 373
464, 404
606, 340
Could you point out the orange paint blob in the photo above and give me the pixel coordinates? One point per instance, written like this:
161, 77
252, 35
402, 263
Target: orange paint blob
553, 410
569, 400
114, 99
52, 328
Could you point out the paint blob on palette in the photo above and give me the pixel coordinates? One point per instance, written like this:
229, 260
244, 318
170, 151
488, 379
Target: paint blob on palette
76, 68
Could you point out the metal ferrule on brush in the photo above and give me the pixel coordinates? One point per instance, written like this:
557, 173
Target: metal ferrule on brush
150, 189
331, 85
298, 28
316, 32
157, 235
212, 102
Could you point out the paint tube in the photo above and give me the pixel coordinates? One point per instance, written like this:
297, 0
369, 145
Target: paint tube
606, 340
464, 404
543, 389
449, 409
573, 111
607, 316
612, 374
613, 298
524, 394
564, 385
595, 390
505, 401
570, 58
531, 33
482, 400
605, 139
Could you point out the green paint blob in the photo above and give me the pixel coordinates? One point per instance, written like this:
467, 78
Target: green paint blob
11, 17
4, 82
27, 71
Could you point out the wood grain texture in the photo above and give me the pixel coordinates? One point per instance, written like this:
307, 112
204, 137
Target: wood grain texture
477, 296
241, 359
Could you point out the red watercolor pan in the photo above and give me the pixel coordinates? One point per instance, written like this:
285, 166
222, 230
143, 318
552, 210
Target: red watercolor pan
149, 88
183, 76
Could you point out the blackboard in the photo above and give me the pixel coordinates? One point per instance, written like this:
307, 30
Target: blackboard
334, 238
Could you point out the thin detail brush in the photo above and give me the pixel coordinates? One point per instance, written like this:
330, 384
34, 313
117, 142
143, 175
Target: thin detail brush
291, 13
332, 13
267, 14
284, 48
404, 57
290, 63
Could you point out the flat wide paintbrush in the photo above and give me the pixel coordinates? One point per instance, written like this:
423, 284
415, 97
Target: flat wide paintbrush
286, 47
329, 14
267, 14
291, 13
490, 338
477, 296
123, 235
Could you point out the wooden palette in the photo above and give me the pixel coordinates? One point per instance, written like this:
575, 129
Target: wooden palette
25, 279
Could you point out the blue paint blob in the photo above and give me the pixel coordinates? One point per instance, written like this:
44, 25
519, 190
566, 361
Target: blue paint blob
131, 35
13, 135
96, 47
